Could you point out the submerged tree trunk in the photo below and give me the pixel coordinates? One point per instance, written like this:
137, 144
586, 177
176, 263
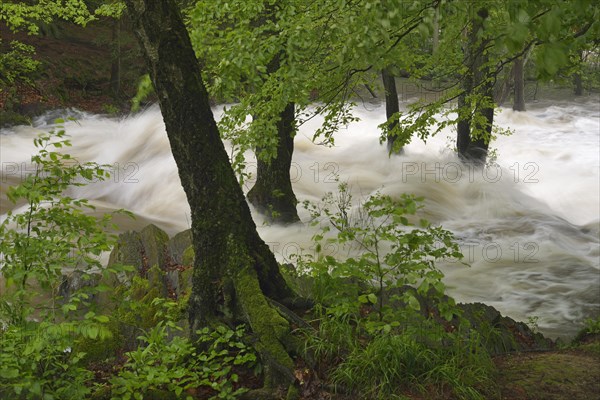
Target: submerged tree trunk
392, 107
474, 135
234, 269
272, 194
519, 92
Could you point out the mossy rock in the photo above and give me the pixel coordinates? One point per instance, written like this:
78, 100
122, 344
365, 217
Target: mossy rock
154, 242
128, 250
188, 257
503, 334
141, 249
178, 245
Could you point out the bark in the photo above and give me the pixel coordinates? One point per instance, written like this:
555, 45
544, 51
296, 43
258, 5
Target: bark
470, 148
578, 84
115, 67
519, 92
392, 107
272, 194
233, 269
577, 80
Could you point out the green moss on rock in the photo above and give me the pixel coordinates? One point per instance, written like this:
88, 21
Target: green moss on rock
188, 256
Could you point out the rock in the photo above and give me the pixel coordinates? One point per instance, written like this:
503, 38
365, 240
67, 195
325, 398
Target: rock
500, 334
188, 257
76, 281
154, 256
154, 244
503, 334
178, 245
128, 251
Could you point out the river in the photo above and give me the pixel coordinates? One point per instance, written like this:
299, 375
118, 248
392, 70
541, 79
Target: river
528, 225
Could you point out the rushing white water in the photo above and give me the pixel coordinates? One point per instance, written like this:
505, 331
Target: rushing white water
529, 226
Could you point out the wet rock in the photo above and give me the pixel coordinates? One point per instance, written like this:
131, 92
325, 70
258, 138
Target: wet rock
503, 334
156, 257
154, 243
178, 244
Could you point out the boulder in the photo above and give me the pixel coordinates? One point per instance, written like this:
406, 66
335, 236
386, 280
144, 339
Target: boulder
178, 245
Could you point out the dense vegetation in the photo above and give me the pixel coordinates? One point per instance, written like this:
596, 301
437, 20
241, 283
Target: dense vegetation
374, 324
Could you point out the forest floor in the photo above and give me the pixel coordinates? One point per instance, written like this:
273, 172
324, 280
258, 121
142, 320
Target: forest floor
569, 374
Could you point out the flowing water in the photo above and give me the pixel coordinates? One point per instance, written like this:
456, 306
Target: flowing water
528, 226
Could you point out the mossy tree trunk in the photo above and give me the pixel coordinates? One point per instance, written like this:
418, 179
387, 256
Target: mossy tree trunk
272, 193
234, 270
477, 82
519, 91
392, 106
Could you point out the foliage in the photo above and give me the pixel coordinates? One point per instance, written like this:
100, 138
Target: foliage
552, 31
592, 325
27, 15
17, 63
372, 328
265, 54
416, 358
51, 237
145, 88
38, 363
386, 252
38, 360
177, 365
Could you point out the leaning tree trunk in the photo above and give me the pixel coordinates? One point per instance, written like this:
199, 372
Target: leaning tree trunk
392, 107
472, 141
272, 194
519, 92
234, 270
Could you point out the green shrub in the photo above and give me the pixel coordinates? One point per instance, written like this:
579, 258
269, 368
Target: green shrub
386, 254
53, 236
176, 365
372, 333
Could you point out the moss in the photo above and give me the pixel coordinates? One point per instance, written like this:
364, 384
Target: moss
188, 256
156, 280
556, 375
270, 328
155, 243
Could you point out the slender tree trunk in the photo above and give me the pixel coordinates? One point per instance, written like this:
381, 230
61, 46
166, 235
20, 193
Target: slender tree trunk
472, 140
272, 194
577, 81
519, 92
392, 107
436, 41
115, 67
233, 269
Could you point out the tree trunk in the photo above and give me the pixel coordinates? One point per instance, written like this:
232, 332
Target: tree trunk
519, 92
577, 81
115, 66
392, 107
233, 269
578, 84
472, 141
272, 194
